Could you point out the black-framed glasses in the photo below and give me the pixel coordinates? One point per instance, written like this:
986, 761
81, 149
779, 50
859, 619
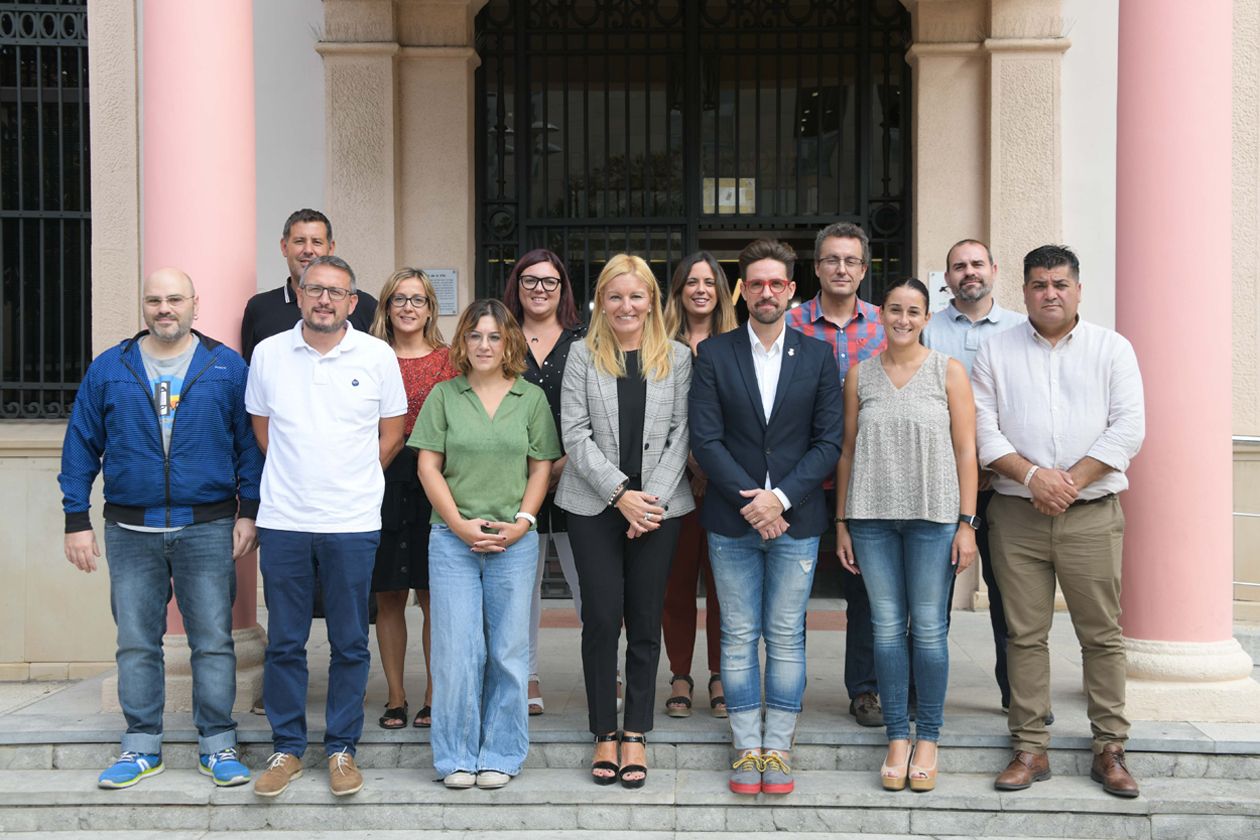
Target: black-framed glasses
335, 293
756, 287
851, 263
417, 301
549, 284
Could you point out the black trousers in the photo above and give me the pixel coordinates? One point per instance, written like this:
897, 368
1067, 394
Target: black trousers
621, 580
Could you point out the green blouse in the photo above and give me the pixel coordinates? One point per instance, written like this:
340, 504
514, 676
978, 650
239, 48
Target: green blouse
485, 460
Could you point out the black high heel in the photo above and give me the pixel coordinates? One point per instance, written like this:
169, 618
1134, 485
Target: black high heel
633, 784
604, 765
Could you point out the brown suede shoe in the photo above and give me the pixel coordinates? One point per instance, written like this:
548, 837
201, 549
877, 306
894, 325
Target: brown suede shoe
1108, 769
343, 777
282, 768
1024, 769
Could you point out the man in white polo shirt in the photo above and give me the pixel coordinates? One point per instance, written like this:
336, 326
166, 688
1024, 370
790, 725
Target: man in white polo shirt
327, 405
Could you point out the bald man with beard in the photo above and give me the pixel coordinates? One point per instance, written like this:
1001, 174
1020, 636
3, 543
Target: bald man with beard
180, 503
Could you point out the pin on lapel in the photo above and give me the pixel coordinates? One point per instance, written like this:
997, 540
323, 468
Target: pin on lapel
791, 351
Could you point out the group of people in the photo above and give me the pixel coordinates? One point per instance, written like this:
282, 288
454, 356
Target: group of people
661, 443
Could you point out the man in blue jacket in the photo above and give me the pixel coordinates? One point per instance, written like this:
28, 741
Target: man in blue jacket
165, 412
766, 419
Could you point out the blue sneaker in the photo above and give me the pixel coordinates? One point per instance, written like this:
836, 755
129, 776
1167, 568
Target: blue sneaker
224, 767
130, 768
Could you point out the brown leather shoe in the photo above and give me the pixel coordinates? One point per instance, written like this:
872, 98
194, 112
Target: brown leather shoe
343, 777
1108, 769
282, 768
1024, 769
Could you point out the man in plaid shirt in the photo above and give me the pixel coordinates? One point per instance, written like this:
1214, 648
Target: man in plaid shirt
851, 326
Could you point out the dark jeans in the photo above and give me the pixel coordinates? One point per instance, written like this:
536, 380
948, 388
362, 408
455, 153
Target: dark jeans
621, 579
289, 561
859, 637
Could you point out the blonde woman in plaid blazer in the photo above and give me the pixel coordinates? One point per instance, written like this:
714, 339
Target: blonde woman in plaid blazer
623, 419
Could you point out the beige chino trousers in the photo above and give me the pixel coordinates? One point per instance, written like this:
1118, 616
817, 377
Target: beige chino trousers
1082, 548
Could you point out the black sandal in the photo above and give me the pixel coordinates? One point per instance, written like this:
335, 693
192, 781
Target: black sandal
604, 765
633, 784
720, 700
679, 706
425, 712
394, 718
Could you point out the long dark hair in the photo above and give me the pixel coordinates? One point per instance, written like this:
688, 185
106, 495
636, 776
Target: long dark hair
566, 311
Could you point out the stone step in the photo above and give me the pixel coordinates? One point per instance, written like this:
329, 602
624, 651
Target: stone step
1145, 761
401, 834
830, 802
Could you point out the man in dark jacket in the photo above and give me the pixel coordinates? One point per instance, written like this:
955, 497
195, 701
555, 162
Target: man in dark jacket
307, 234
179, 508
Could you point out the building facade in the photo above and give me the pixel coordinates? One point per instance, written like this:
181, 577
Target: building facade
452, 134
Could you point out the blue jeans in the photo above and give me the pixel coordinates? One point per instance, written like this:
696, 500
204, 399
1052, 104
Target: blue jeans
142, 566
763, 587
908, 574
288, 562
479, 618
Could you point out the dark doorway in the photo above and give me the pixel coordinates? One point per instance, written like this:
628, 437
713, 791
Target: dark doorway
666, 126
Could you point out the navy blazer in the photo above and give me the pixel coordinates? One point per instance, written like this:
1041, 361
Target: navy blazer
732, 441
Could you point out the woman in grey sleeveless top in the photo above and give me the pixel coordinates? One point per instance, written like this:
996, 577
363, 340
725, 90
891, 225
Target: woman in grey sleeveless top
906, 484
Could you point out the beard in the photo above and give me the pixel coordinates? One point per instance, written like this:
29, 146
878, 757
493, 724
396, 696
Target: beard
766, 316
337, 325
974, 293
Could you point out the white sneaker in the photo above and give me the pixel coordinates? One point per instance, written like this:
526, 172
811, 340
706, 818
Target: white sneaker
492, 779
460, 780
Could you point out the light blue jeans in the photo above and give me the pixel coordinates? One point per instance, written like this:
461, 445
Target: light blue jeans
906, 566
142, 566
479, 614
763, 587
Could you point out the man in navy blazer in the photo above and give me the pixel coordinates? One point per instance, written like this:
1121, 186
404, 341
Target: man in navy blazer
766, 423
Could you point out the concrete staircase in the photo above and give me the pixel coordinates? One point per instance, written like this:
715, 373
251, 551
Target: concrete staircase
1186, 794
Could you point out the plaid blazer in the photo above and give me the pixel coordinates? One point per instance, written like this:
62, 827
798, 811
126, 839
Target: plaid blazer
592, 439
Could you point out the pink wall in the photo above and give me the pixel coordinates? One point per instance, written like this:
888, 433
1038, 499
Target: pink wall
198, 146
1173, 209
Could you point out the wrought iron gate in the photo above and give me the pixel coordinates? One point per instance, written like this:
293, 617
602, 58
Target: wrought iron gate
45, 219
663, 126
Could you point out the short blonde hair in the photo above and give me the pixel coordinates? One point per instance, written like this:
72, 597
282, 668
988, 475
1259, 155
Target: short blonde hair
383, 328
513, 339
654, 350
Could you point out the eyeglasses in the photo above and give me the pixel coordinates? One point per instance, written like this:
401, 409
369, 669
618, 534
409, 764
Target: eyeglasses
417, 301
851, 263
756, 287
173, 301
335, 293
549, 284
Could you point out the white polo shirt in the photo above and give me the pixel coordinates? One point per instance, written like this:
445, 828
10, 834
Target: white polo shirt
323, 470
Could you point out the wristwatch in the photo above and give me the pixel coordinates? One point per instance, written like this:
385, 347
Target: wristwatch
973, 521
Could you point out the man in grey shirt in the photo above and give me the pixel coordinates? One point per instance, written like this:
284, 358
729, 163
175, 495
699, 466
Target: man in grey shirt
970, 319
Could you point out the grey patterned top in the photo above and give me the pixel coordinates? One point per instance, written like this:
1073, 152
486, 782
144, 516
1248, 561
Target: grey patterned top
903, 461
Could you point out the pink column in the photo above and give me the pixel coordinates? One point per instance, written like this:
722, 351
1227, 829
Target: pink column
199, 211
1173, 208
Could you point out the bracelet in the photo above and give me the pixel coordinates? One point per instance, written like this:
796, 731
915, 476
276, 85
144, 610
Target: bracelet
1031, 470
528, 517
621, 491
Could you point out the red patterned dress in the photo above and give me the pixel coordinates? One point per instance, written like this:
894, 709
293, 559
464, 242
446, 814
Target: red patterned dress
402, 560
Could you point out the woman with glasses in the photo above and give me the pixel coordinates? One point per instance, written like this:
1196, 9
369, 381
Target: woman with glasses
539, 296
486, 441
905, 518
699, 305
623, 418
406, 320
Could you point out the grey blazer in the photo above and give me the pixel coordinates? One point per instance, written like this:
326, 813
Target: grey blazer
592, 439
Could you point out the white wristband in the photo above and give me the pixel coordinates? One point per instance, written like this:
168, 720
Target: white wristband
528, 517
1031, 471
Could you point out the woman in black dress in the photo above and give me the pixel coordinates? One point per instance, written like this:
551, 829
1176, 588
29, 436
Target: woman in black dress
406, 318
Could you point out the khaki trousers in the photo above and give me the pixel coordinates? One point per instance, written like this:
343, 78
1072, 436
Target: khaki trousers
1082, 548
